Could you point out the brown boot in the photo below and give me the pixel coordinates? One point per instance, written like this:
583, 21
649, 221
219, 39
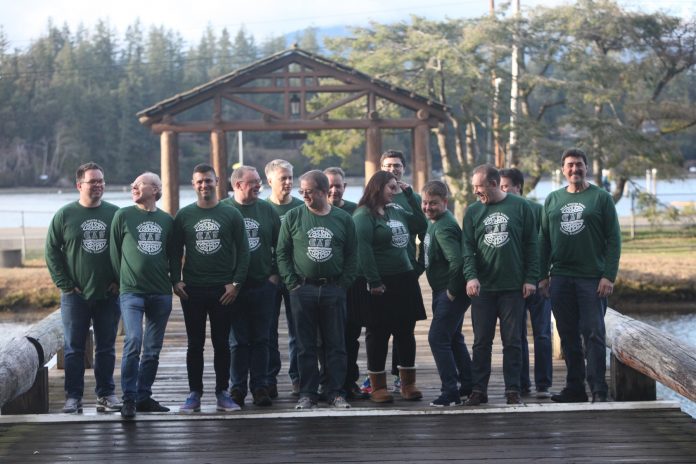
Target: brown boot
409, 391
378, 382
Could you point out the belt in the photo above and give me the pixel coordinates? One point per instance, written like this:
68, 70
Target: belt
320, 282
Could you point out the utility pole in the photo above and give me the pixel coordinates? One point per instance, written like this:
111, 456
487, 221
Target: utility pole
494, 126
514, 93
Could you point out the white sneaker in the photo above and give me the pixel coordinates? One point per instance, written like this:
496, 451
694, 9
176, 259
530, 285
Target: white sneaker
108, 404
340, 403
73, 406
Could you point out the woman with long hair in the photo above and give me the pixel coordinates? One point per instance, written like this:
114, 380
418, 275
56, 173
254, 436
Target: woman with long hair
383, 230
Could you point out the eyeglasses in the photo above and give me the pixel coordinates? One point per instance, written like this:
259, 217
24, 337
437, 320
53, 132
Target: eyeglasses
93, 182
307, 192
393, 166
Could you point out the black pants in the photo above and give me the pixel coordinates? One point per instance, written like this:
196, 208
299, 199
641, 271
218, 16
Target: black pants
377, 342
204, 302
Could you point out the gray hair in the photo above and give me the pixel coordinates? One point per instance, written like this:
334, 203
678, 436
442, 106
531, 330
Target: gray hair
238, 173
277, 164
335, 171
319, 179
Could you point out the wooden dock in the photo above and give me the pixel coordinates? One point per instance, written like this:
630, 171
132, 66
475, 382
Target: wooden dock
402, 432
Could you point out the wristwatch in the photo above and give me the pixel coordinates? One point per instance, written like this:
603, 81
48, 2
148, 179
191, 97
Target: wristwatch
236, 285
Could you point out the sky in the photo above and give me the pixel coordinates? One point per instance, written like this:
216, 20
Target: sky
25, 20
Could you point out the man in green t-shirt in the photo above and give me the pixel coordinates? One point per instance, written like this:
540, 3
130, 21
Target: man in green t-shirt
317, 258
215, 267
253, 310
442, 259
539, 307
580, 250
77, 256
142, 255
501, 267
279, 177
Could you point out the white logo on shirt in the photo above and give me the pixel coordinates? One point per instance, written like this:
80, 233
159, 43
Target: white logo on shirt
94, 236
495, 226
426, 244
207, 236
319, 249
149, 238
399, 233
252, 229
572, 222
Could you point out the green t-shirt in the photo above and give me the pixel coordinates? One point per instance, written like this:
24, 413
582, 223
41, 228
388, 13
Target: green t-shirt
499, 244
282, 210
141, 250
77, 249
217, 248
262, 225
383, 241
313, 246
442, 250
580, 234
411, 204
349, 207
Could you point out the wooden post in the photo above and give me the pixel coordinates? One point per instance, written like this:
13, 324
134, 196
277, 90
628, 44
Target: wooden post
218, 159
421, 156
374, 151
33, 401
170, 171
630, 385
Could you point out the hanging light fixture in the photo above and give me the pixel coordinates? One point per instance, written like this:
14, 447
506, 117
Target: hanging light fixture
294, 105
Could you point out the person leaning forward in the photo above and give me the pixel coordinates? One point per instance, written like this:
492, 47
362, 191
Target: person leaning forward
216, 264
580, 248
142, 255
318, 261
501, 267
77, 256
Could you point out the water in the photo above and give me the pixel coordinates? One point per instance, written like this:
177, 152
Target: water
37, 209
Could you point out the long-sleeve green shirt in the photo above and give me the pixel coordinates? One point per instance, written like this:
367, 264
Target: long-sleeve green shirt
262, 226
443, 254
383, 241
282, 210
411, 205
580, 234
77, 249
499, 244
217, 248
142, 250
313, 246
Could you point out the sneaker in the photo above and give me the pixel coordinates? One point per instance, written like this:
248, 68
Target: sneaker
128, 409
569, 396
340, 402
238, 396
525, 391
446, 400
476, 398
599, 397
261, 397
225, 402
296, 388
355, 393
513, 397
108, 404
73, 406
150, 405
306, 403
272, 391
396, 388
192, 404
543, 392
366, 388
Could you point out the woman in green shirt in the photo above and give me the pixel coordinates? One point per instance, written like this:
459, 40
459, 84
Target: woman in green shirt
383, 230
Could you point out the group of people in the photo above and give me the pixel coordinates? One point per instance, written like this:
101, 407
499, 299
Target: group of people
338, 267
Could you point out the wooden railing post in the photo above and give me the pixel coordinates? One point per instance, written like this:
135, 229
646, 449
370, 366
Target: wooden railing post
630, 385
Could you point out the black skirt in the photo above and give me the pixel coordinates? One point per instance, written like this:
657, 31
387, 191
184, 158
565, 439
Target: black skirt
402, 300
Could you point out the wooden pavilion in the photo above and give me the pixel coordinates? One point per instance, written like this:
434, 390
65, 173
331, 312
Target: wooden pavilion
293, 90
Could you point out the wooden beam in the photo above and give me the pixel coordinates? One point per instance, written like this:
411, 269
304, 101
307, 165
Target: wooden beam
218, 159
331, 88
421, 156
374, 151
336, 104
169, 162
254, 106
291, 125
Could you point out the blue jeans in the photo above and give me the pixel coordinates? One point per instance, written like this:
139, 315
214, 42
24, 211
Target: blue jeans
540, 313
449, 351
580, 313
138, 373
77, 314
274, 363
486, 309
252, 315
320, 308
204, 302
